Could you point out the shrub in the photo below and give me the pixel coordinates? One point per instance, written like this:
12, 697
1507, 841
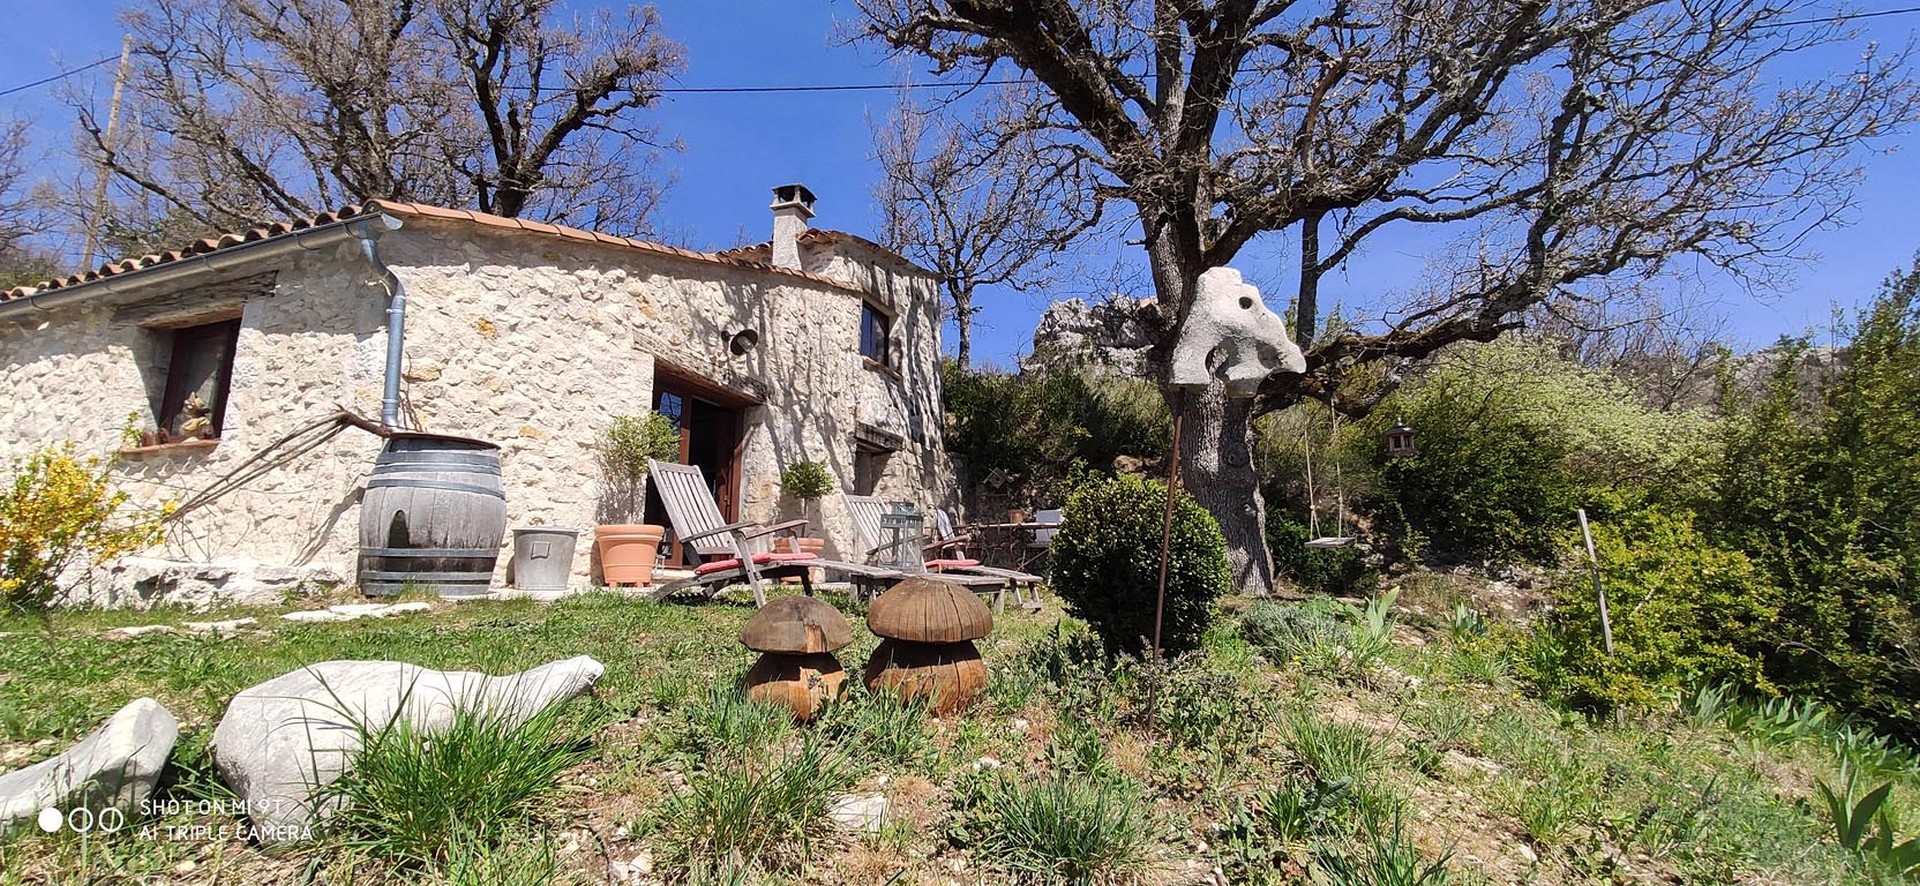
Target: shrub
416, 795
58, 508
1512, 438
1105, 563
806, 480
623, 449
1065, 828
1684, 612
1817, 487
1020, 436
630, 440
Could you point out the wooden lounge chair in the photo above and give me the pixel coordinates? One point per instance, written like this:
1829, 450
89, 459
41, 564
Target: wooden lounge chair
740, 550
950, 545
866, 511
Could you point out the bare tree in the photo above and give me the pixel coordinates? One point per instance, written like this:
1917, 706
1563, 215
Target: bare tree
252, 110
973, 202
21, 260
1551, 143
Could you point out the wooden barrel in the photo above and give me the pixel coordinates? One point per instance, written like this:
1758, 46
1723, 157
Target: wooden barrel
434, 517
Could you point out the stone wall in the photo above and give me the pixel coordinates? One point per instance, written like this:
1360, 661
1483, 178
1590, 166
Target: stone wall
529, 341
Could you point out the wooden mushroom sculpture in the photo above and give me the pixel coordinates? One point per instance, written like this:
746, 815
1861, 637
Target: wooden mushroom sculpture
796, 637
929, 625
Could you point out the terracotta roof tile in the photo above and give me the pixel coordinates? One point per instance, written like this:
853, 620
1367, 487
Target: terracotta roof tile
739, 258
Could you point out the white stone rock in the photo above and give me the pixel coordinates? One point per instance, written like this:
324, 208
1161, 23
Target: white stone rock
859, 812
282, 740
132, 631
232, 625
409, 608
115, 767
985, 763
316, 616
357, 610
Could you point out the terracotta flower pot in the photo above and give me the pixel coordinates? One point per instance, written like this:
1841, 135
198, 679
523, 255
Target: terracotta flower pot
627, 552
1016, 515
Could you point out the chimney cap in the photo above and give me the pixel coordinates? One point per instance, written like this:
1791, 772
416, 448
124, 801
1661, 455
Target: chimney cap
793, 193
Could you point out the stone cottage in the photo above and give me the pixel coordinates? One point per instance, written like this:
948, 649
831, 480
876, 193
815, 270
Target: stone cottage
817, 345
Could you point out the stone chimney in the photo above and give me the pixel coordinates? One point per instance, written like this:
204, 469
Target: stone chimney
792, 207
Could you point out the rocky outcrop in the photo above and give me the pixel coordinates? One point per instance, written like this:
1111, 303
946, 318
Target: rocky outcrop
282, 741
1111, 337
114, 768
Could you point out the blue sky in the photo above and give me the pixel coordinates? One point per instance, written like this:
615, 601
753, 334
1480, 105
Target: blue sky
738, 146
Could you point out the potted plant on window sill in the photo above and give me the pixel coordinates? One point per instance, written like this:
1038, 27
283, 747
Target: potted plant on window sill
627, 549
806, 482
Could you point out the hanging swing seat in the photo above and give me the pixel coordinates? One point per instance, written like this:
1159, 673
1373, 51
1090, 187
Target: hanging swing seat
1340, 497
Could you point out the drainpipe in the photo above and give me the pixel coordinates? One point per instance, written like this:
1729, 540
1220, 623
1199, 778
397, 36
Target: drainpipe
369, 231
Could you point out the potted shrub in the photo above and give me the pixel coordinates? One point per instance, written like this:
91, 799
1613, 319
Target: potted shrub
627, 548
807, 482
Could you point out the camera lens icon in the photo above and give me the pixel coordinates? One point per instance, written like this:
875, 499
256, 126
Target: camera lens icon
51, 819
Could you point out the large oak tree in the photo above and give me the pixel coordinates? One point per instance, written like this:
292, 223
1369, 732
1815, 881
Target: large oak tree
1553, 145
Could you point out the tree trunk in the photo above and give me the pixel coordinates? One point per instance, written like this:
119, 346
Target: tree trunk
1306, 307
1216, 468
963, 319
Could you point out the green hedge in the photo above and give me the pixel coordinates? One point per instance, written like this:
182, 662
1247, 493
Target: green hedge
1105, 563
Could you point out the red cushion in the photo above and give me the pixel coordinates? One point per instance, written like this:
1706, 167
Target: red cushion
734, 562
952, 564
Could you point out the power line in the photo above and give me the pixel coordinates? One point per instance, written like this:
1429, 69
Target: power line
850, 87
1835, 19
61, 76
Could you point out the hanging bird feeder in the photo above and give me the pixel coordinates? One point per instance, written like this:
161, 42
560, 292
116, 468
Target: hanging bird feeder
1400, 441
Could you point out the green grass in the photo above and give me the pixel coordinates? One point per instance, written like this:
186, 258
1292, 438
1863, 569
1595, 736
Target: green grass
1269, 755
423, 797
758, 812
1063, 829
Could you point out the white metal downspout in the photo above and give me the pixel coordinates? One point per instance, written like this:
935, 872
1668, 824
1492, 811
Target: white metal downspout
369, 231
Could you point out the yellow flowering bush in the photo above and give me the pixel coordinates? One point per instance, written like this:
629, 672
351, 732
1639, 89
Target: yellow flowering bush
58, 506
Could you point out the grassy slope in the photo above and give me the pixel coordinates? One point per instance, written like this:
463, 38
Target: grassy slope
1517, 792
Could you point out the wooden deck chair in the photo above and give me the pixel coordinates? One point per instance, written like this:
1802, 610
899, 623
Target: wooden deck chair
949, 547
729, 551
866, 510
738, 550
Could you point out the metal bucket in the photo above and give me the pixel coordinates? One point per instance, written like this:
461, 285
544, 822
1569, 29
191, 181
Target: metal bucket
543, 558
433, 517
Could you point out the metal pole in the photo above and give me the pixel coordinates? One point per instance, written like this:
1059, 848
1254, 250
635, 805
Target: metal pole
1166, 526
1606, 625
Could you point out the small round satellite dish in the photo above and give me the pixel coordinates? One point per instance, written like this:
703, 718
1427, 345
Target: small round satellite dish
743, 341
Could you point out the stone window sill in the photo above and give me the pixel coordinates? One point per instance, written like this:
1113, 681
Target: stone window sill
184, 447
873, 365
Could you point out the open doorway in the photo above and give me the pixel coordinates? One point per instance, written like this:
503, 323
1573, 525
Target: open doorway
712, 425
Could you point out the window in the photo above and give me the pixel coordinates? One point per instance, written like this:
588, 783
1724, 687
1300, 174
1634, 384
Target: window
876, 329
199, 371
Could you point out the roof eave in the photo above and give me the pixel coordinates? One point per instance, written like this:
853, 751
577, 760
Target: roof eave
214, 262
